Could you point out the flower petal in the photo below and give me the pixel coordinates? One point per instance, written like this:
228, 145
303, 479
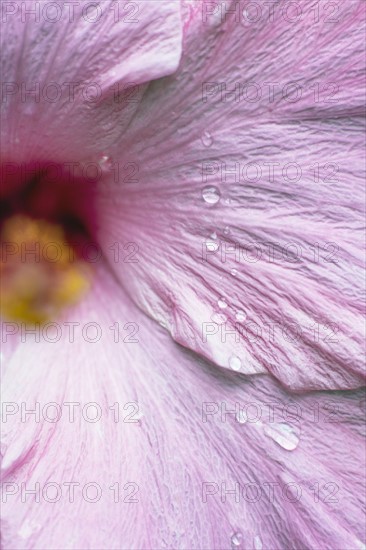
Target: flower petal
73, 71
248, 215
174, 437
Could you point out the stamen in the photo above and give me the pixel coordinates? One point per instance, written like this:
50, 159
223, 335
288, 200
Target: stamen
40, 272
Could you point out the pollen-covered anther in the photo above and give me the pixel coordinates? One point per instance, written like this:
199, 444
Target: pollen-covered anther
40, 271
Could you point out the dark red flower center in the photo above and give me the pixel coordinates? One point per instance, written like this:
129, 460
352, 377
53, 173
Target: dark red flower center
47, 218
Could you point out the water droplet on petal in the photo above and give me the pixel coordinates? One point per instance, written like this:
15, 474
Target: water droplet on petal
236, 539
258, 545
240, 315
222, 303
206, 139
216, 19
28, 528
30, 108
105, 163
234, 272
218, 318
211, 245
213, 235
235, 362
227, 230
210, 194
284, 435
241, 417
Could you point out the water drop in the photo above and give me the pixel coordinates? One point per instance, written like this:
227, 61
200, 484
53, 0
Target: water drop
216, 19
234, 272
210, 194
206, 139
213, 235
258, 543
218, 318
227, 230
105, 163
284, 435
235, 362
28, 528
236, 539
240, 315
30, 108
222, 303
247, 18
211, 245
241, 417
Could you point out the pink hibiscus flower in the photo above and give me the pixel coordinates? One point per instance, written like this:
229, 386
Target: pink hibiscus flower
191, 376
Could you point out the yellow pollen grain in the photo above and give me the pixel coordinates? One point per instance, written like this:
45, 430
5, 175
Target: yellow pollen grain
39, 273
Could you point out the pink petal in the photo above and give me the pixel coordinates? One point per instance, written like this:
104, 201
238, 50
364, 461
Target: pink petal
297, 314
62, 67
181, 456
